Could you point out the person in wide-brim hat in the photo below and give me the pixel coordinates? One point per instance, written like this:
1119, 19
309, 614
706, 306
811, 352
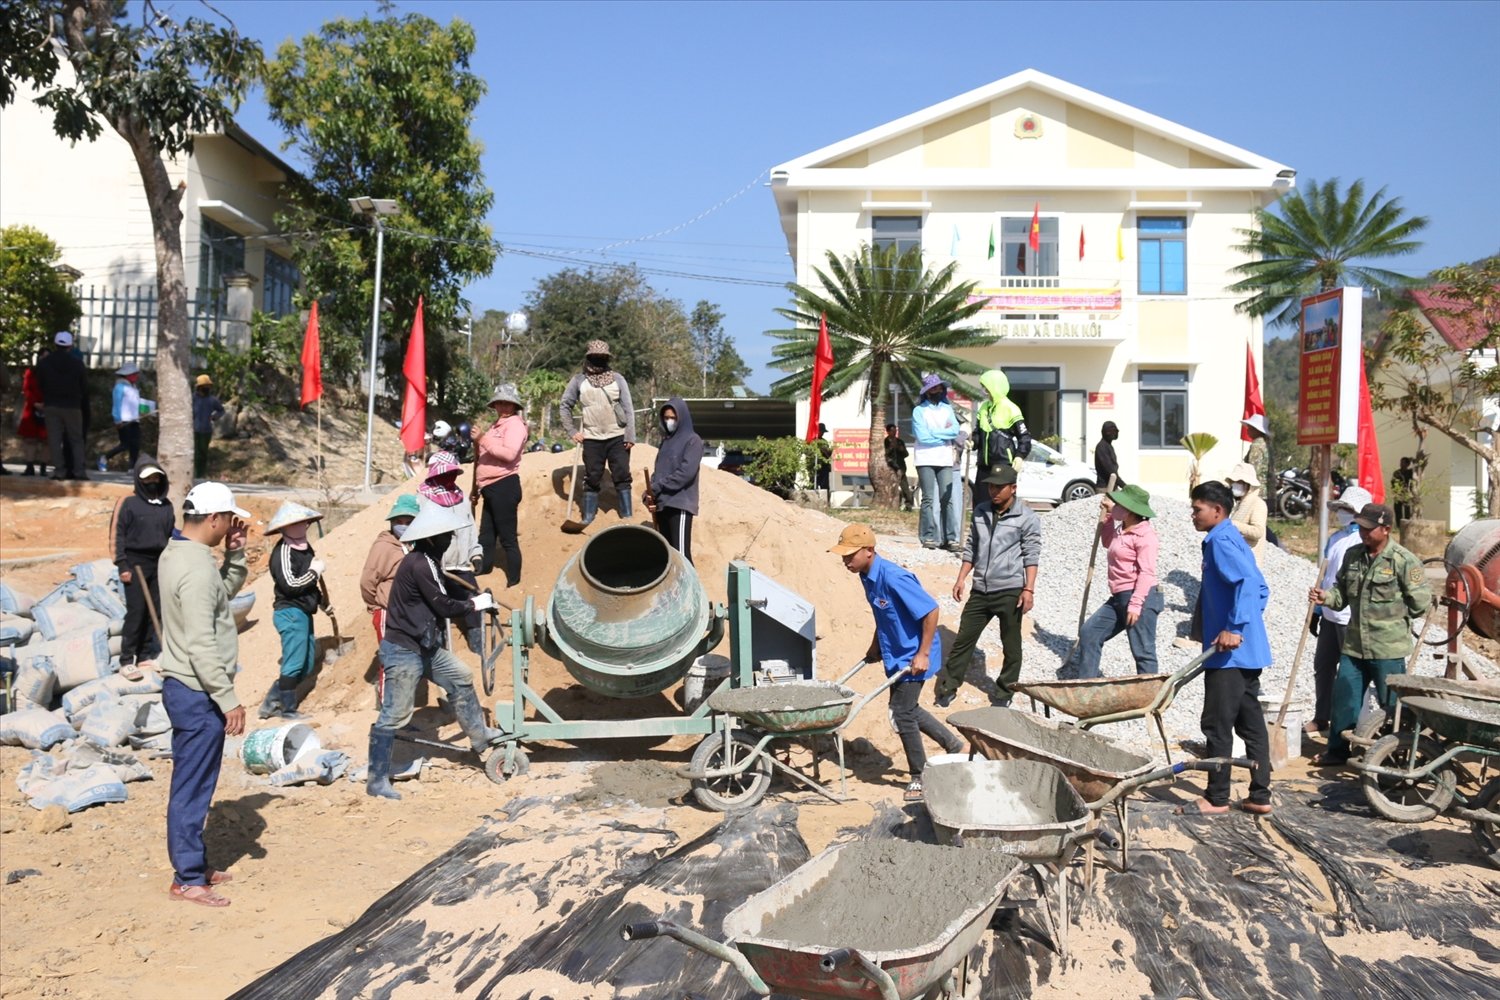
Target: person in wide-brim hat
296, 572
1250, 509
598, 415
1135, 599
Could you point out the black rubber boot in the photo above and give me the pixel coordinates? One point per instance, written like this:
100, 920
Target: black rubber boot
271, 706
287, 689
475, 638
465, 706
625, 504
378, 781
590, 505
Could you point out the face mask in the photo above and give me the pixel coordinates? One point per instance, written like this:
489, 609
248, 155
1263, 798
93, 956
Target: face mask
670, 424
154, 487
1239, 489
1344, 517
399, 529
596, 361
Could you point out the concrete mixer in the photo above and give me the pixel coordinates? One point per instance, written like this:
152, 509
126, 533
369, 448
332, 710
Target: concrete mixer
1472, 594
628, 618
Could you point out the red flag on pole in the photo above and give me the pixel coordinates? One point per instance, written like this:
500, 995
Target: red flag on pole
1080, 243
822, 365
1367, 446
1035, 239
414, 397
312, 359
1253, 403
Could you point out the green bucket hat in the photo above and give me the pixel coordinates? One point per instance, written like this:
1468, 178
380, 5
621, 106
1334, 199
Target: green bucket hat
405, 506
1134, 499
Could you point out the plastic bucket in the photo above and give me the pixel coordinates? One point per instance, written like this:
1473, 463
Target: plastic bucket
1294, 715
702, 678
271, 749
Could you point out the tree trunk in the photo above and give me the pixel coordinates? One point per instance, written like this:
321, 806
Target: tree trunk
882, 476
1492, 462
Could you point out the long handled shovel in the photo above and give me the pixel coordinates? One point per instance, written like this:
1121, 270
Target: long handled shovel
341, 642
569, 525
1278, 729
135, 572
1088, 580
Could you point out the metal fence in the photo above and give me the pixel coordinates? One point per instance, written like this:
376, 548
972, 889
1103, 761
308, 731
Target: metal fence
118, 323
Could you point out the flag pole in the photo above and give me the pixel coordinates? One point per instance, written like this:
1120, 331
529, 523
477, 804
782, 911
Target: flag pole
322, 486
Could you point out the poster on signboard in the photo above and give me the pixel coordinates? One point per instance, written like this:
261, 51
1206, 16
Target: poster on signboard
1328, 341
851, 451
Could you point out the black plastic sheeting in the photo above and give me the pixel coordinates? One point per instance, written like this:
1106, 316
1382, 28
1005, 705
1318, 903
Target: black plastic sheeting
1253, 908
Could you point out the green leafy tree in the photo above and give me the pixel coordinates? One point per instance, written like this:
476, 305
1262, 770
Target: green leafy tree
723, 368
156, 83
1421, 375
35, 300
889, 317
383, 107
1318, 239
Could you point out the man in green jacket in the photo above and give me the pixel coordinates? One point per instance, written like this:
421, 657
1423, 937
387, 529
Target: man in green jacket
200, 650
1384, 588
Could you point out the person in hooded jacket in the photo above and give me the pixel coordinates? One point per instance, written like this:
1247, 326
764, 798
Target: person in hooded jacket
464, 557
296, 571
143, 526
414, 643
385, 554
672, 492
1000, 435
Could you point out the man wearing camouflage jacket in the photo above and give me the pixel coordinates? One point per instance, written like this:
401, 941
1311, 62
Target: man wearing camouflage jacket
1384, 588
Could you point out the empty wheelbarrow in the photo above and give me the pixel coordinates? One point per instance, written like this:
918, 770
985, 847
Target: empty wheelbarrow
873, 920
1100, 700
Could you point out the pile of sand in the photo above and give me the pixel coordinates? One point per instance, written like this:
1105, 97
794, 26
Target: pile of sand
736, 521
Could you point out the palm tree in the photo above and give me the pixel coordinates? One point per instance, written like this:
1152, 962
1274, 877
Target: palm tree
888, 318
1314, 245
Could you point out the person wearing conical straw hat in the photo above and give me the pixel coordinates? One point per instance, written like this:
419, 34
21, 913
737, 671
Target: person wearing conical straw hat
295, 570
414, 643
1131, 544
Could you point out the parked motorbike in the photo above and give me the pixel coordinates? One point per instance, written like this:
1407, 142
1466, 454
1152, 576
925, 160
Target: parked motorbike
1295, 495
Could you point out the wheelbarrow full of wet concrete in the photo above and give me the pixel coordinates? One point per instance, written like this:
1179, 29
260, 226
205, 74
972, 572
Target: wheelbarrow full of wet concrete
850, 924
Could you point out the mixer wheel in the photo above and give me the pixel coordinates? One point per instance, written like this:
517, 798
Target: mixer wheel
736, 791
497, 768
1414, 800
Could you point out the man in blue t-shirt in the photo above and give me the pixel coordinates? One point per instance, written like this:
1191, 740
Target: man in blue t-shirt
905, 641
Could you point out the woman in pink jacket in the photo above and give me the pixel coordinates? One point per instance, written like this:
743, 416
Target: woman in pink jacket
1134, 597
497, 474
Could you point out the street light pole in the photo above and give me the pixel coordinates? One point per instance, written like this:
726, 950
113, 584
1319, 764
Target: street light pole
375, 208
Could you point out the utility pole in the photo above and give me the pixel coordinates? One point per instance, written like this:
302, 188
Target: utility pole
375, 209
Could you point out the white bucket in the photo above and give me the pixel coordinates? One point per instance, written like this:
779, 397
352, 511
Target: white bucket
1270, 707
273, 748
702, 678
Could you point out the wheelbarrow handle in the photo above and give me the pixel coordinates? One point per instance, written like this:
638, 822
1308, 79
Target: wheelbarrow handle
859, 705
645, 930
1162, 773
854, 670
843, 957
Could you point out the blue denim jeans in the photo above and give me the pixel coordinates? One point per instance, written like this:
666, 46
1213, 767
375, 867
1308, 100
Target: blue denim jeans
1109, 621
404, 669
953, 513
933, 522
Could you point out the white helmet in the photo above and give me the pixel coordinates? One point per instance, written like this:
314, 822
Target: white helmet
441, 430
435, 520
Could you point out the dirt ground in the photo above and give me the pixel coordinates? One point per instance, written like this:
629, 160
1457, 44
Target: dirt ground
93, 919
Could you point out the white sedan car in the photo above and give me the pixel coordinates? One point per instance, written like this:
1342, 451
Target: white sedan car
1047, 476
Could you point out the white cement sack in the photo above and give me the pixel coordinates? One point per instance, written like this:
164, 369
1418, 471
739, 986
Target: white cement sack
35, 681
77, 790
68, 590
35, 729
77, 658
114, 644
114, 688
65, 617
100, 571
151, 718
14, 629
105, 601
108, 723
14, 602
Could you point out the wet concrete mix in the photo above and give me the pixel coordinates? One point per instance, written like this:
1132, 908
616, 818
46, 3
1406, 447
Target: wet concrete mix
890, 896
780, 697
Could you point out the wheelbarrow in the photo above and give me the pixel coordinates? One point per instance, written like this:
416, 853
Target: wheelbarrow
731, 770
1380, 723
1102, 773
1100, 700
839, 966
1412, 778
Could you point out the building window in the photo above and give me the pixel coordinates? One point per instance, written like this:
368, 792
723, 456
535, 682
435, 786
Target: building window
220, 250
1017, 257
1163, 408
904, 232
282, 281
1162, 249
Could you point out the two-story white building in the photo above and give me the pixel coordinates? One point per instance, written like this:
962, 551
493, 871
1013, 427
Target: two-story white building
1124, 312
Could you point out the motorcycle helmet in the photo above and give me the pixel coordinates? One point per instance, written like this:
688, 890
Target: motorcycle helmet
441, 430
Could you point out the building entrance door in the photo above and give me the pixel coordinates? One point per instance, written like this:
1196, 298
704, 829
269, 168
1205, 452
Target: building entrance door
1035, 391
1073, 424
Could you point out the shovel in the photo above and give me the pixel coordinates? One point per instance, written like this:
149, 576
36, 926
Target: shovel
1277, 730
1088, 580
340, 642
570, 526
135, 673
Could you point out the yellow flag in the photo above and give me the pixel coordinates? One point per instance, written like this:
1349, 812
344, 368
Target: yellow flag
1119, 243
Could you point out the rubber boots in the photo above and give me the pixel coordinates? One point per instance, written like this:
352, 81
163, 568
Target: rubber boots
465, 706
475, 639
378, 782
270, 707
590, 505
289, 699
625, 501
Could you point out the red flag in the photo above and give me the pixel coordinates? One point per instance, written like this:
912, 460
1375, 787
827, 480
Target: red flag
1080, 243
1367, 446
822, 365
1035, 240
312, 359
1253, 403
414, 398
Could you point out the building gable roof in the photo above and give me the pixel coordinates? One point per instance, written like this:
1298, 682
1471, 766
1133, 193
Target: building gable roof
1458, 323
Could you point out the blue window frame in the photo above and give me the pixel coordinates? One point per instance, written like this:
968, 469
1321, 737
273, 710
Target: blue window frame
1162, 249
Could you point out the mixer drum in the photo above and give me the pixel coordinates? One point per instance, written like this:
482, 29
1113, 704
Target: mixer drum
1477, 547
628, 614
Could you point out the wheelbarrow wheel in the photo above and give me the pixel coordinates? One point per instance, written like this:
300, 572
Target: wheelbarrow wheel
498, 769
1407, 800
1487, 833
731, 792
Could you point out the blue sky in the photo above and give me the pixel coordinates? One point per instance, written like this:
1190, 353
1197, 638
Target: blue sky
611, 121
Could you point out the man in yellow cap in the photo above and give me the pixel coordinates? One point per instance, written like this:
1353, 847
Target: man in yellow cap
905, 640
206, 409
